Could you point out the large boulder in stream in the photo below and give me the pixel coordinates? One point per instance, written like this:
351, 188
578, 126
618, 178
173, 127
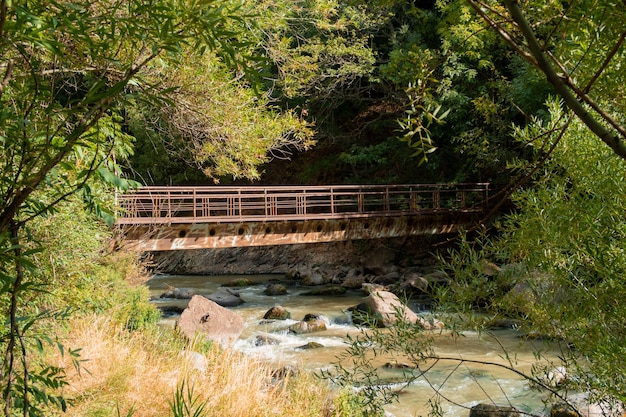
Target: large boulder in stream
226, 297
311, 323
207, 318
384, 309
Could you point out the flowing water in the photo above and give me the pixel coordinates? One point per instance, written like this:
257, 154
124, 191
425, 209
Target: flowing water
464, 385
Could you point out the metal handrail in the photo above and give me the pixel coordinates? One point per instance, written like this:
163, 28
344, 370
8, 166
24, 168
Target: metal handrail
155, 204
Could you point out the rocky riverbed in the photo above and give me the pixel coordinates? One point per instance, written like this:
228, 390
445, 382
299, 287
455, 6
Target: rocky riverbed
408, 266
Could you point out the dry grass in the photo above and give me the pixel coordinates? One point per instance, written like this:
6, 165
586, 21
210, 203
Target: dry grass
136, 371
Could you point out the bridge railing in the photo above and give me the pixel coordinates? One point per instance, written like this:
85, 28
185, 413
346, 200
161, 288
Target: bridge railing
274, 203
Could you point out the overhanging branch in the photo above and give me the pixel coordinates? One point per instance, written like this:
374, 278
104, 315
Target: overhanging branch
565, 87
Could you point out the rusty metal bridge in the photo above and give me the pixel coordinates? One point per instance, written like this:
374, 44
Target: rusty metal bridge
171, 218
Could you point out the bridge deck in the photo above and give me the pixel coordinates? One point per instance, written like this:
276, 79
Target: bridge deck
173, 218
223, 204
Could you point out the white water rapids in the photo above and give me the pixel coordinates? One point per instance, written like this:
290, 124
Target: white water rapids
465, 385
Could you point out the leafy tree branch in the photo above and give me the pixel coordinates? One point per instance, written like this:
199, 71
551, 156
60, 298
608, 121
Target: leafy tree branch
574, 97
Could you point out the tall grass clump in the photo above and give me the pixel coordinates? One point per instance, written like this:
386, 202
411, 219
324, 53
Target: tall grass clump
154, 373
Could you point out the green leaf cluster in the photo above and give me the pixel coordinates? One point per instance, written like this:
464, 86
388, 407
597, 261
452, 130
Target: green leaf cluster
566, 243
229, 133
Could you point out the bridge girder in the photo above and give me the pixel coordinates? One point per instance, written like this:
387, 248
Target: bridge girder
181, 236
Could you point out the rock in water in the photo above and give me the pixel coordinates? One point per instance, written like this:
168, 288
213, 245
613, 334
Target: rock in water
310, 324
275, 289
490, 410
277, 313
384, 309
178, 293
210, 320
226, 297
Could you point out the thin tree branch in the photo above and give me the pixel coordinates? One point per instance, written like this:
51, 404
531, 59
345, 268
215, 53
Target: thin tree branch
606, 62
8, 73
563, 83
14, 333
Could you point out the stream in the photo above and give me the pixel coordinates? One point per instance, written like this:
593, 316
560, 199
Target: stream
466, 385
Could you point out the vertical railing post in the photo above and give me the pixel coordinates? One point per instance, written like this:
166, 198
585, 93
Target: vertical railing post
194, 203
301, 203
271, 202
332, 201
169, 205
154, 201
387, 202
239, 203
360, 201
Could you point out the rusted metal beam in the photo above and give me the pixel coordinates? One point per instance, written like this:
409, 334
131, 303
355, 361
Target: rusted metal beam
178, 236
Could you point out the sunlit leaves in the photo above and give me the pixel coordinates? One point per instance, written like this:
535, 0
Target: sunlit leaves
323, 48
223, 125
69, 72
420, 117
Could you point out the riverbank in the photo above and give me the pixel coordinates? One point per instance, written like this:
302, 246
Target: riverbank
153, 373
271, 341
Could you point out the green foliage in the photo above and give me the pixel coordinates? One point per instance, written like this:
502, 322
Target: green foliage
409, 64
367, 156
416, 129
349, 404
321, 49
530, 89
67, 275
225, 134
73, 272
68, 70
567, 240
578, 53
39, 388
456, 69
135, 312
472, 287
